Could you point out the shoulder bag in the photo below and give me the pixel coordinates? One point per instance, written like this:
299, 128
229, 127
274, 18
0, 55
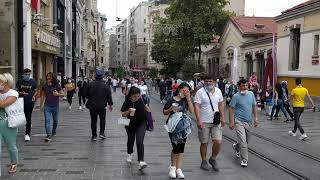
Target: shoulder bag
216, 117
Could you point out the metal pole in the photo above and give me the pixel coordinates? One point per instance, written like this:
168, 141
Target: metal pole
273, 67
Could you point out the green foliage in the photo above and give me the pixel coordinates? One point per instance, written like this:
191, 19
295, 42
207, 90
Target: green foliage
189, 24
190, 68
153, 72
120, 72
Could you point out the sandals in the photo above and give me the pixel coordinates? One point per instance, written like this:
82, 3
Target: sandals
13, 168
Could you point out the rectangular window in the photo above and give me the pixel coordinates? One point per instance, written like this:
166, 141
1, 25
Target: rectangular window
119, 36
101, 60
294, 52
145, 30
119, 29
144, 39
119, 42
94, 30
145, 21
118, 49
316, 45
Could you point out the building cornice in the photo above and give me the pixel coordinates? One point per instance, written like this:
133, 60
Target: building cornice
314, 7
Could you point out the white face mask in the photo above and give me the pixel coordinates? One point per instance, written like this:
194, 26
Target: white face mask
1, 87
182, 95
69, 81
243, 92
210, 88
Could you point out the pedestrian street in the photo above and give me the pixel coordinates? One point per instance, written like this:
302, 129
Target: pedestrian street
71, 155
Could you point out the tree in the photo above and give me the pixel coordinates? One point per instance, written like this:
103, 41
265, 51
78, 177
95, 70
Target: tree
153, 72
190, 68
198, 20
120, 72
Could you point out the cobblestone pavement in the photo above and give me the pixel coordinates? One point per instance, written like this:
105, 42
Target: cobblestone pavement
72, 155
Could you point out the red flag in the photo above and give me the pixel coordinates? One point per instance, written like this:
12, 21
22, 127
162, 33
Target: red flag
34, 4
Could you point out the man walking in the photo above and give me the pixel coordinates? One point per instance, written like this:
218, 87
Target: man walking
114, 84
82, 86
99, 96
27, 89
209, 110
297, 96
242, 105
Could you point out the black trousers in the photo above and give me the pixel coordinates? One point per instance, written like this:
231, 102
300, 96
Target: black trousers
136, 132
69, 97
287, 107
82, 98
28, 108
94, 118
297, 111
162, 95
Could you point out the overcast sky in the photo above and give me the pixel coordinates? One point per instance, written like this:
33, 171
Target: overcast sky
253, 7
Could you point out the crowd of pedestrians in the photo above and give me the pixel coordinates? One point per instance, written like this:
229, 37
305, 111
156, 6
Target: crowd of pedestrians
206, 99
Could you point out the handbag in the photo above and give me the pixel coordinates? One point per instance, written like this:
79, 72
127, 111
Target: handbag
149, 120
123, 121
15, 112
216, 116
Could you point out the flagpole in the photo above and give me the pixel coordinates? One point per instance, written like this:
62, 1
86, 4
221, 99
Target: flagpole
273, 67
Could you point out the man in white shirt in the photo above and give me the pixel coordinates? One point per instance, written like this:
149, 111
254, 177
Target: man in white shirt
208, 127
114, 84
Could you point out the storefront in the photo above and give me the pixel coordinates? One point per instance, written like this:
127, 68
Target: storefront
8, 45
45, 47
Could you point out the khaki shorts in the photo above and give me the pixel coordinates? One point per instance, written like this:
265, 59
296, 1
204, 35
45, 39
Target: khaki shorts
215, 131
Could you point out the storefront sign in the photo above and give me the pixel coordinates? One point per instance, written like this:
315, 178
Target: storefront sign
315, 62
43, 40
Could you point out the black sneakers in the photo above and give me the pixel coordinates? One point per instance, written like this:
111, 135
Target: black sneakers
103, 136
48, 138
94, 138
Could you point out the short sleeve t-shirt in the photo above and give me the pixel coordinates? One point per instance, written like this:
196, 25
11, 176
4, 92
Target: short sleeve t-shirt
114, 82
183, 105
143, 89
28, 87
202, 98
298, 94
51, 100
139, 115
243, 105
11, 92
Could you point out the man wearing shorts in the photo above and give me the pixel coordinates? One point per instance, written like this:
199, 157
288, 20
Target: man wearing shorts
205, 109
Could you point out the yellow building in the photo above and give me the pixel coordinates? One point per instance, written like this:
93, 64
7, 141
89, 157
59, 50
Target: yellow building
298, 45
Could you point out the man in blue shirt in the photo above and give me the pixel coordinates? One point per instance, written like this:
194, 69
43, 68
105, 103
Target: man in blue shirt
242, 106
27, 89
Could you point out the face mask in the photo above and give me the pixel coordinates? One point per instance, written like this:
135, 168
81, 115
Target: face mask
1, 87
210, 88
243, 92
182, 95
69, 81
26, 77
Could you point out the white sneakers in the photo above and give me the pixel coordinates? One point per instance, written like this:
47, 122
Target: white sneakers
244, 163
303, 136
175, 173
129, 158
172, 172
142, 165
70, 108
292, 134
80, 108
179, 173
26, 138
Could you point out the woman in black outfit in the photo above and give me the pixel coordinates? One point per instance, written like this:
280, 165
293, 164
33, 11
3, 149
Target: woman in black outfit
183, 99
137, 127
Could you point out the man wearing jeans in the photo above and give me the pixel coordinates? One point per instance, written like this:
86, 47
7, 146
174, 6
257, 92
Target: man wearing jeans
242, 105
297, 95
208, 101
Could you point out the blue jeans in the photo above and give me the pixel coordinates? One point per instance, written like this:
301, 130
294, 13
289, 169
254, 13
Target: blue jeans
281, 106
47, 115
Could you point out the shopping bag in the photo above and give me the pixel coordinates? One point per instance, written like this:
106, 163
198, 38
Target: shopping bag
123, 121
15, 112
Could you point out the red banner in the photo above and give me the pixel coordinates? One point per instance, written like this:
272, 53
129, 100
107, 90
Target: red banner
34, 5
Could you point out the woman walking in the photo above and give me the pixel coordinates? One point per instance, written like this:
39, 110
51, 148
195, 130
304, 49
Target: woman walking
70, 91
134, 109
279, 96
8, 96
181, 102
50, 93
144, 92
